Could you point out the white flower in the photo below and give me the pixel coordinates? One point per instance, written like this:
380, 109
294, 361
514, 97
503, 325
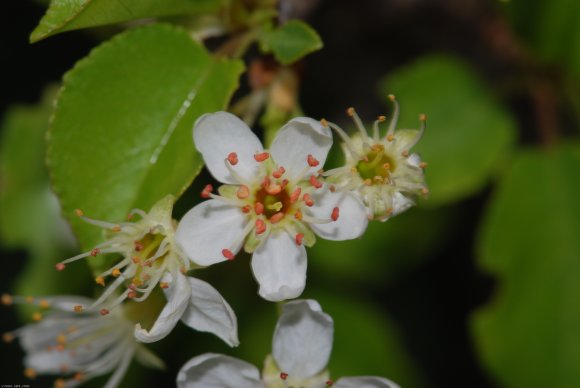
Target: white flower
300, 351
79, 345
380, 169
271, 204
150, 258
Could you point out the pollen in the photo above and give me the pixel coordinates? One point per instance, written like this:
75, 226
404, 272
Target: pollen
335, 214
260, 227
228, 254
261, 156
6, 299
233, 158
116, 272
30, 373
205, 193
78, 308
37, 316
299, 238
243, 192
315, 182
79, 213
312, 161
104, 312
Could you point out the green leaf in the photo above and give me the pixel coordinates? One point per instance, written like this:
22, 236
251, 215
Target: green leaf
121, 134
66, 15
551, 28
529, 337
290, 42
468, 133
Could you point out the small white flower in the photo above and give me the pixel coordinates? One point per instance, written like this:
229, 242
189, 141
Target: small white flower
271, 202
300, 351
150, 258
79, 345
379, 169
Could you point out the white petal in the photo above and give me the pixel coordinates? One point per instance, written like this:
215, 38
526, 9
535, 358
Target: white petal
217, 135
400, 203
178, 295
279, 266
209, 228
67, 302
296, 140
414, 160
364, 382
218, 371
47, 362
121, 369
303, 339
352, 220
209, 312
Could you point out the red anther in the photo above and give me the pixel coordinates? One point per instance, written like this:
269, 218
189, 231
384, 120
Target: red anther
298, 215
132, 294
295, 195
95, 252
164, 285
259, 208
273, 189
261, 157
329, 383
315, 182
332, 188
60, 266
260, 226
284, 183
228, 254
276, 217
283, 375
335, 214
148, 263
299, 237
246, 209
136, 259
279, 172
138, 246
104, 312
312, 161
308, 200
266, 182
233, 158
243, 192
205, 193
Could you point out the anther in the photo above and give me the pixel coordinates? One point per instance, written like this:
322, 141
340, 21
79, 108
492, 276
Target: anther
259, 208
422, 165
298, 238
95, 252
283, 375
116, 228
43, 303
335, 214
136, 259
8, 337
164, 285
298, 215
30, 373
233, 158
261, 156
61, 339
104, 312
425, 191
79, 213
205, 193
116, 272
132, 294
243, 192
329, 383
6, 299
138, 246
390, 137
260, 226
368, 182
315, 182
246, 208
308, 200
387, 166
59, 383
405, 154
423, 117
78, 308
228, 254
59, 266
37, 316
332, 188
79, 376
381, 119
350, 111
295, 195
312, 161
279, 172
29, 299
324, 123
273, 189
391, 97
284, 183
276, 217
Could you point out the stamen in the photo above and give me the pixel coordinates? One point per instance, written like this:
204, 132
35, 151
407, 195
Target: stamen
246, 208
29, 299
78, 308
138, 246
376, 135
295, 195
116, 272
298, 215
314, 182
95, 252
279, 172
273, 189
228, 254
352, 113
423, 165
233, 158
205, 193
276, 218
329, 383
260, 226
308, 200
30, 373
283, 375
324, 123
59, 383
347, 140
79, 213
37, 316
259, 208
59, 266
164, 285
298, 238
6, 299
405, 153
243, 192
104, 312
261, 156
395, 118
8, 337
312, 161
335, 214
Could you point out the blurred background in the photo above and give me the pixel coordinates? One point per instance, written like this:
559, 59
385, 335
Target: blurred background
479, 285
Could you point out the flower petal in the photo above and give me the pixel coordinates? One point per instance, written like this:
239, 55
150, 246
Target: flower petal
303, 339
364, 382
401, 203
121, 369
209, 228
212, 370
178, 295
209, 312
279, 265
296, 140
218, 134
352, 220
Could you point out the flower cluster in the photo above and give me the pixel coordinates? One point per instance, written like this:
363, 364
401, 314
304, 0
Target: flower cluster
272, 203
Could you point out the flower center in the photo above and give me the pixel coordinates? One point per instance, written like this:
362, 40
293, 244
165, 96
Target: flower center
273, 203
377, 166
